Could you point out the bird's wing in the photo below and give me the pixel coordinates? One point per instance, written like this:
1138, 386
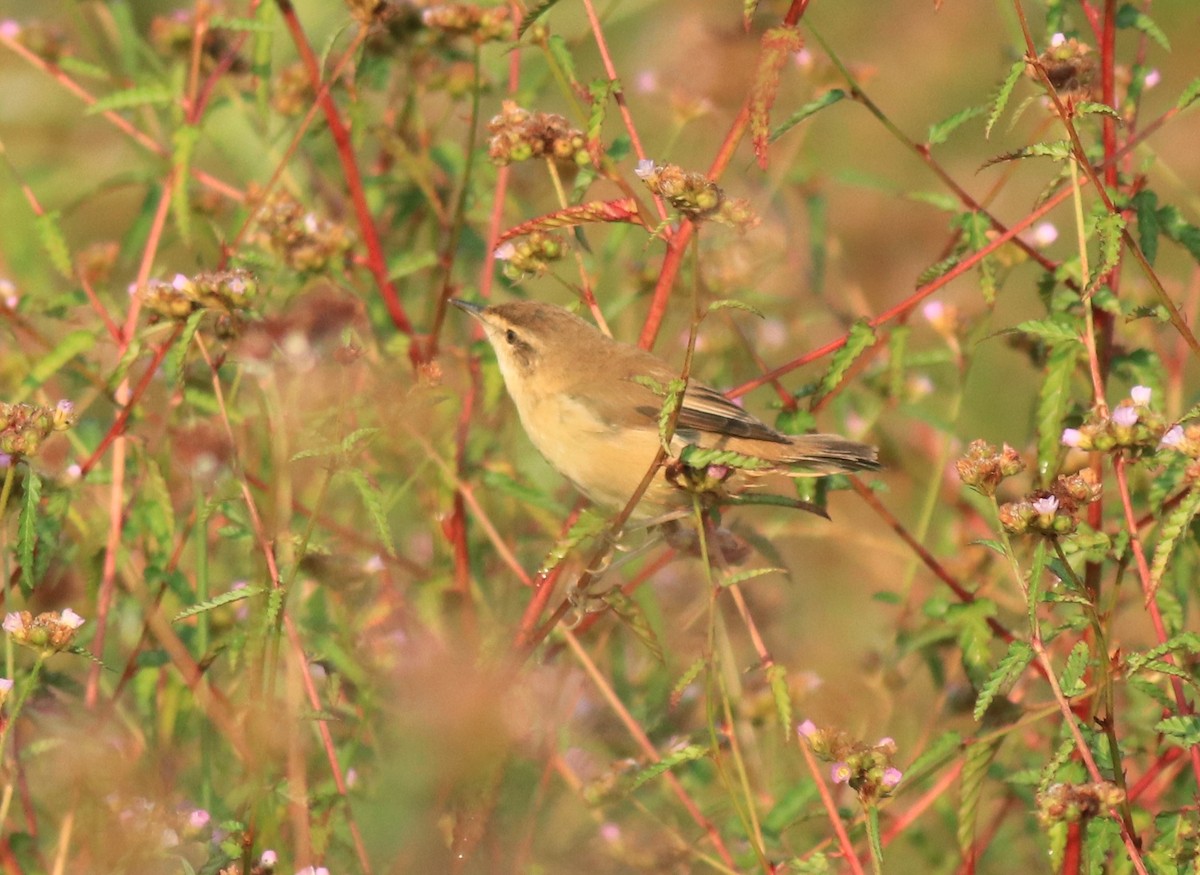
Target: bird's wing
707, 409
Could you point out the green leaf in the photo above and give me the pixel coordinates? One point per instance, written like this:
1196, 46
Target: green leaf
533, 15
1059, 328
588, 524
140, 95
1005, 674
373, 502
1053, 399
27, 527
1003, 94
1181, 730
860, 338
940, 751
686, 755
1058, 150
686, 680
1171, 528
1130, 17
974, 774
1145, 202
634, 617
561, 53
1071, 679
177, 355
409, 262
600, 92
777, 679
992, 544
50, 364
701, 457
938, 270
51, 237
941, 131
1189, 95
1109, 230
184, 141
733, 304
1088, 107
750, 574
829, 98
225, 598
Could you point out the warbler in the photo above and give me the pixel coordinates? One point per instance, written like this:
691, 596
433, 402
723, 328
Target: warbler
591, 405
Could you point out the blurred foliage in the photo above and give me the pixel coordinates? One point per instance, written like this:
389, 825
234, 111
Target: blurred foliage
297, 594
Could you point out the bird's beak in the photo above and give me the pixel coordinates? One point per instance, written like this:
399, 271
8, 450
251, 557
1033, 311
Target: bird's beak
475, 310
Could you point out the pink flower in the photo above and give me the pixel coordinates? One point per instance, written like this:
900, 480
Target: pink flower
891, 777
1140, 395
840, 772
1125, 416
1072, 437
1173, 438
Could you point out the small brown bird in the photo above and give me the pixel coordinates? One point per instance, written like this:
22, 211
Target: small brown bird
585, 402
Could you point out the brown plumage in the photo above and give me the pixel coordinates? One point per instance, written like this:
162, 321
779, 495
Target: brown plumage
580, 401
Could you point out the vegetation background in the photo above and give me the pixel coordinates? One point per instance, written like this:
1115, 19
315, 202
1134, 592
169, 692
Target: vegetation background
315, 556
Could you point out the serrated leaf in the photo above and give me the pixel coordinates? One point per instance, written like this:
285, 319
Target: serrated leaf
634, 617
1003, 94
588, 524
701, 457
939, 752
829, 98
1189, 95
1180, 730
1129, 16
941, 131
561, 52
184, 142
733, 304
1003, 676
533, 15
175, 359
1071, 679
1057, 329
225, 598
778, 44
1059, 150
686, 680
51, 237
1089, 107
937, 270
971, 782
750, 574
1145, 203
600, 92
1054, 396
859, 339
53, 362
373, 502
777, 679
140, 95
1109, 230
358, 436
27, 527
1172, 526
991, 544
1188, 642
685, 755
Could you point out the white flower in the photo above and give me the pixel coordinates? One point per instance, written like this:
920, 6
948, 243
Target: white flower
1173, 438
1140, 395
1045, 233
180, 283
13, 623
1058, 39
1046, 506
70, 619
505, 251
1125, 416
1153, 77
645, 168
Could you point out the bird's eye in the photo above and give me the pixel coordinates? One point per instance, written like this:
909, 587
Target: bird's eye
510, 336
